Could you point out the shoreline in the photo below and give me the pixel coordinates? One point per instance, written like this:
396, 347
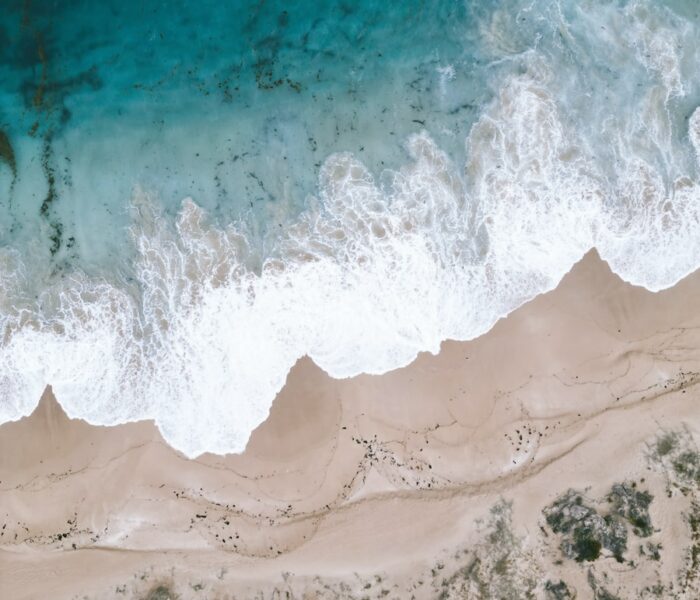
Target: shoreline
382, 476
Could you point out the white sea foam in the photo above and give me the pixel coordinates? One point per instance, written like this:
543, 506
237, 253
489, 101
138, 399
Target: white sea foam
374, 272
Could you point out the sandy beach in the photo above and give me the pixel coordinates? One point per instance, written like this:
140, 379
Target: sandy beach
449, 478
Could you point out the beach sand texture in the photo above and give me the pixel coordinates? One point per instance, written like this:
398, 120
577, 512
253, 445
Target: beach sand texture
432, 481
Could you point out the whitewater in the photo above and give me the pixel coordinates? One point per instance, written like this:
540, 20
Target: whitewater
549, 129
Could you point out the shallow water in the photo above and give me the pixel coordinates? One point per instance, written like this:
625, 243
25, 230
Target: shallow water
236, 105
195, 195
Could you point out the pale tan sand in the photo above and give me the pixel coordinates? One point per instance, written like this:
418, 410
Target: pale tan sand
384, 487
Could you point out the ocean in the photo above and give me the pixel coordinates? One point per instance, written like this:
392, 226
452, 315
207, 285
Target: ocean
195, 195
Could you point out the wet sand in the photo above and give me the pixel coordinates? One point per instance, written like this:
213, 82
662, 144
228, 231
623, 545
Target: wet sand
427, 482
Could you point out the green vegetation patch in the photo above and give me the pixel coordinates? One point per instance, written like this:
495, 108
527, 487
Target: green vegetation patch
652, 550
687, 466
160, 592
677, 454
557, 591
666, 443
599, 592
496, 567
692, 567
632, 505
584, 532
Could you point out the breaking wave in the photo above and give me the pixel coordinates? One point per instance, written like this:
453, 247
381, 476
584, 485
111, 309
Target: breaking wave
202, 333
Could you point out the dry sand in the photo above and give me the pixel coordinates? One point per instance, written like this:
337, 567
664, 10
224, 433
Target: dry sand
427, 482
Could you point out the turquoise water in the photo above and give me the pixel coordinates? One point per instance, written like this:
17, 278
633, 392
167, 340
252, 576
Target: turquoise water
236, 104
195, 195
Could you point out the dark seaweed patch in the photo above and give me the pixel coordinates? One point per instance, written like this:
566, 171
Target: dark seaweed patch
51, 94
50, 175
7, 154
44, 95
56, 227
